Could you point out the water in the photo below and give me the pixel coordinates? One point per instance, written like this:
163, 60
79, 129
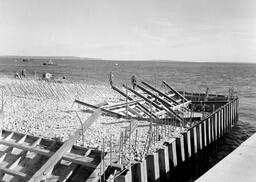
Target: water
183, 76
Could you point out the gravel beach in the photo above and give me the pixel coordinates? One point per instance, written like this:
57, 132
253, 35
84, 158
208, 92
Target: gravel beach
46, 109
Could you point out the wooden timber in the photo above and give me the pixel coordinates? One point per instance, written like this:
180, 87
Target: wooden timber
159, 92
166, 106
44, 171
174, 91
97, 107
141, 107
28, 158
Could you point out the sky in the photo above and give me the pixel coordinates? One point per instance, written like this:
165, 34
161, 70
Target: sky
186, 30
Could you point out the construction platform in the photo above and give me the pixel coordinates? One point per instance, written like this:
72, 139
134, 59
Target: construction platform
203, 117
237, 166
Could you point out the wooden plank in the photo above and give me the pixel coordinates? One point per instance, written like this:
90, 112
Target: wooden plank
73, 167
140, 106
159, 92
68, 156
166, 106
12, 172
155, 96
163, 102
99, 170
180, 105
175, 91
134, 112
55, 158
133, 102
153, 103
97, 107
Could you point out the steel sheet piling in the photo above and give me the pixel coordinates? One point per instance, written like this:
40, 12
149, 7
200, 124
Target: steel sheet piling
160, 164
153, 167
180, 149
187, 144
209, 130
172, 154
212, 128
215, 126
201, 135
205, 136
164, 163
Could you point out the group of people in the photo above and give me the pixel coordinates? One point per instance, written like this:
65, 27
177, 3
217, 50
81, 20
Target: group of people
133, 80
21, 75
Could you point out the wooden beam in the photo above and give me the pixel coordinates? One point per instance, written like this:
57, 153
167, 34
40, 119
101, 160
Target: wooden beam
68, 156
175, 91
102, 109
110, 107
143, 97
159, 92
12, 172
168, 110
99, 171
181, 105
140, 106
163, 102
56, 157
155, 96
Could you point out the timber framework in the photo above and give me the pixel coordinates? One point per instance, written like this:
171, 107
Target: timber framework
203, 118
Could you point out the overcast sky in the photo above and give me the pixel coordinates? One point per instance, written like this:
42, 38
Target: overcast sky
189, 30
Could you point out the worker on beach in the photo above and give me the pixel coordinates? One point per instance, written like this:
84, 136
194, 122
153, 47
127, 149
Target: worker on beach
133, 80
23, 73
111, 78
17, 75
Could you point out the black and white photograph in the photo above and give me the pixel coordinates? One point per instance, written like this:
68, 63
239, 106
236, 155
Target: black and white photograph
127, 90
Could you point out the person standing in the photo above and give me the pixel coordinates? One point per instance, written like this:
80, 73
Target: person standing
111, 78
23, 73
134, 81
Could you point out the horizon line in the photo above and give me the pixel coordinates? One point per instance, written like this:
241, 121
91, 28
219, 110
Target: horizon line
149, 60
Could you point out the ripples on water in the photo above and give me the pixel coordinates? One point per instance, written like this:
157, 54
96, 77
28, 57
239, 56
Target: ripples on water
183, 76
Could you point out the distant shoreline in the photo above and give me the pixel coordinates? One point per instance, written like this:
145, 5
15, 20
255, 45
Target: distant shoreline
120, 60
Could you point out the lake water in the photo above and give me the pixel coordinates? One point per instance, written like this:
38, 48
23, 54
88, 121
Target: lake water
183, 76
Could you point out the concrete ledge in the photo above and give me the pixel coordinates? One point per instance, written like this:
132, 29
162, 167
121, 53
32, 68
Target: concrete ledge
240, 165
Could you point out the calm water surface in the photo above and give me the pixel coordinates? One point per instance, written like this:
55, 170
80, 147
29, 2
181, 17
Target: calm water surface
183, 76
